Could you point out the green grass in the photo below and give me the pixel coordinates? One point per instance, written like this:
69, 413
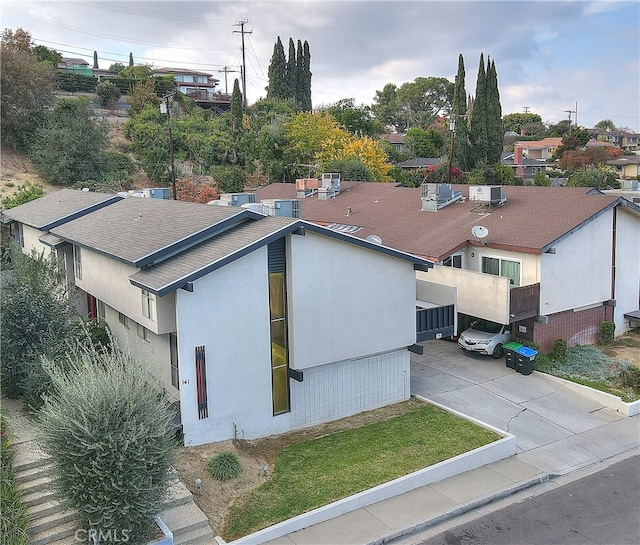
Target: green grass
317, 472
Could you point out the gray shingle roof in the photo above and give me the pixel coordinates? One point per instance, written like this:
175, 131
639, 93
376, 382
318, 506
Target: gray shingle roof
58, 207
138, 231
211, 254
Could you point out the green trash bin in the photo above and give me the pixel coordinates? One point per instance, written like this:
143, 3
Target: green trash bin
525, 357
510, 353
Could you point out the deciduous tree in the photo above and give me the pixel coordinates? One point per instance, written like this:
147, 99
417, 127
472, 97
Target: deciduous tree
28, 88
69, 147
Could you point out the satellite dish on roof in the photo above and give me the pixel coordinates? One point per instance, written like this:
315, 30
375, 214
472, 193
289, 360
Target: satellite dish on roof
375, 239
479, 231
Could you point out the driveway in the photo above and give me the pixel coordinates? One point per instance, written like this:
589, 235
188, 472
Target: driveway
557, 430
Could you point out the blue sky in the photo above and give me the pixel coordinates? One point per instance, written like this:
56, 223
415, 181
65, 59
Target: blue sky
550, 55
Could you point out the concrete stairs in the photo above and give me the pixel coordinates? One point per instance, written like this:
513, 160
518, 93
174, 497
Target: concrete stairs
52, 524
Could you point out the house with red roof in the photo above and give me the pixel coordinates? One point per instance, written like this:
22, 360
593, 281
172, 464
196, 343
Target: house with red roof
553, 262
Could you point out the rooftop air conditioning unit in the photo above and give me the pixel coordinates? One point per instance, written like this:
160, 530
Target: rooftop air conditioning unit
491, 194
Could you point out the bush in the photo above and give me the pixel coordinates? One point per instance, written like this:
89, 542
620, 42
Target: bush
23, 194
37, 319
630, 377
350, 168
559, 350
607, 332
230, 179
14, 516
108, 92
108, 431
224, 466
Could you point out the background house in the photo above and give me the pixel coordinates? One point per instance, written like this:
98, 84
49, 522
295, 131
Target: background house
200, 86
555, 262
256, 324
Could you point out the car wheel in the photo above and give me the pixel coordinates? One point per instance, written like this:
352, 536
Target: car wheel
497, 352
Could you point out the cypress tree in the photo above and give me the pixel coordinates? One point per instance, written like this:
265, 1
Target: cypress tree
292, 72
306, 78
299, 75
478, 127
461, 142
236, 110
495, 130
277, 73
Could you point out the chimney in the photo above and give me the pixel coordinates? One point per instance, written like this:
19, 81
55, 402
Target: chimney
517, 155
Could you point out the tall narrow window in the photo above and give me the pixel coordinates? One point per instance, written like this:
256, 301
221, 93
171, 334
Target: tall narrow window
77, 262
173, 350
278, 318
201, 383
101, 311
21, 235
147, 304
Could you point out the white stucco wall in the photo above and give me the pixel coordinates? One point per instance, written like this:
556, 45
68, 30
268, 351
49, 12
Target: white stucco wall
228, 314
357, 364
31, 241
579, 273
108, 280
478, 294
155, 353
347, 301
627, 286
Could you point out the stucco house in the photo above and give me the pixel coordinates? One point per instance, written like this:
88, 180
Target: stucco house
256, 324
555, 261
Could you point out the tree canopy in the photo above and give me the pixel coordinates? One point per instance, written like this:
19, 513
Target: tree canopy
290, 79
28, 87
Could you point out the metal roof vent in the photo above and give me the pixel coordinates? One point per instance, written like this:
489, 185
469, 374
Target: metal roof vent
437, 196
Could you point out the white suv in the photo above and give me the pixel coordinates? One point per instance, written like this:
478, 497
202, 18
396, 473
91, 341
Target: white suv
485, 337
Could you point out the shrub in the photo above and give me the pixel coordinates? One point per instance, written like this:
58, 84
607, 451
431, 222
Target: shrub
559, 350
630, 377
37, 319
224, 466
108, 92
23, 194
108, 431
607, 332
14, 516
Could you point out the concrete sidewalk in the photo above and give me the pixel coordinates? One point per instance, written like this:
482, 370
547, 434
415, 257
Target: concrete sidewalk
559, 433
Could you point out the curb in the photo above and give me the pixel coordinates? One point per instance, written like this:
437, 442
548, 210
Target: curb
460, 510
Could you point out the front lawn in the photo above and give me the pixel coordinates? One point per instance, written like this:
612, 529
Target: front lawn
314, 473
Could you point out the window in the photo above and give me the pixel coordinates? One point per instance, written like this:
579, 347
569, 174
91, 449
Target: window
199, 79
147, 305
178, 77
21, 235
453, 261
502, 267
123, 319
144, 333
101, 313
77, 262
173, 350
278, 318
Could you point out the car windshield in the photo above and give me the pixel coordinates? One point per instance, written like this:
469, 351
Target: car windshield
487, 326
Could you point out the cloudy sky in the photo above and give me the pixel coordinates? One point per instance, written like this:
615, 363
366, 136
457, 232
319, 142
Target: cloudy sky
550, 56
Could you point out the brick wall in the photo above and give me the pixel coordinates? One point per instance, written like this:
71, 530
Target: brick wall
581, 327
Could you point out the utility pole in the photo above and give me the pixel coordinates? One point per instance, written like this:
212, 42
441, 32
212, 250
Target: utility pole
452, 128
572, 112
526, 109
242, 31
226, 70
173, 170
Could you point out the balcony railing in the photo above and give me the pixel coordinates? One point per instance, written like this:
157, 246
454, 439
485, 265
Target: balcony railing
524, 302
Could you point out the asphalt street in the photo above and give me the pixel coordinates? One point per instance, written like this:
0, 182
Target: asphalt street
602, 508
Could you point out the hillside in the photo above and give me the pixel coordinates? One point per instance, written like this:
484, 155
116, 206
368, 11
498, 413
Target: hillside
15, 170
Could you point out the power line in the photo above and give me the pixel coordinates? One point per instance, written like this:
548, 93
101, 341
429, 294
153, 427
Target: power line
103, 35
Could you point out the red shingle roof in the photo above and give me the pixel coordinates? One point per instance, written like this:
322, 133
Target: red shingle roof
531, 219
